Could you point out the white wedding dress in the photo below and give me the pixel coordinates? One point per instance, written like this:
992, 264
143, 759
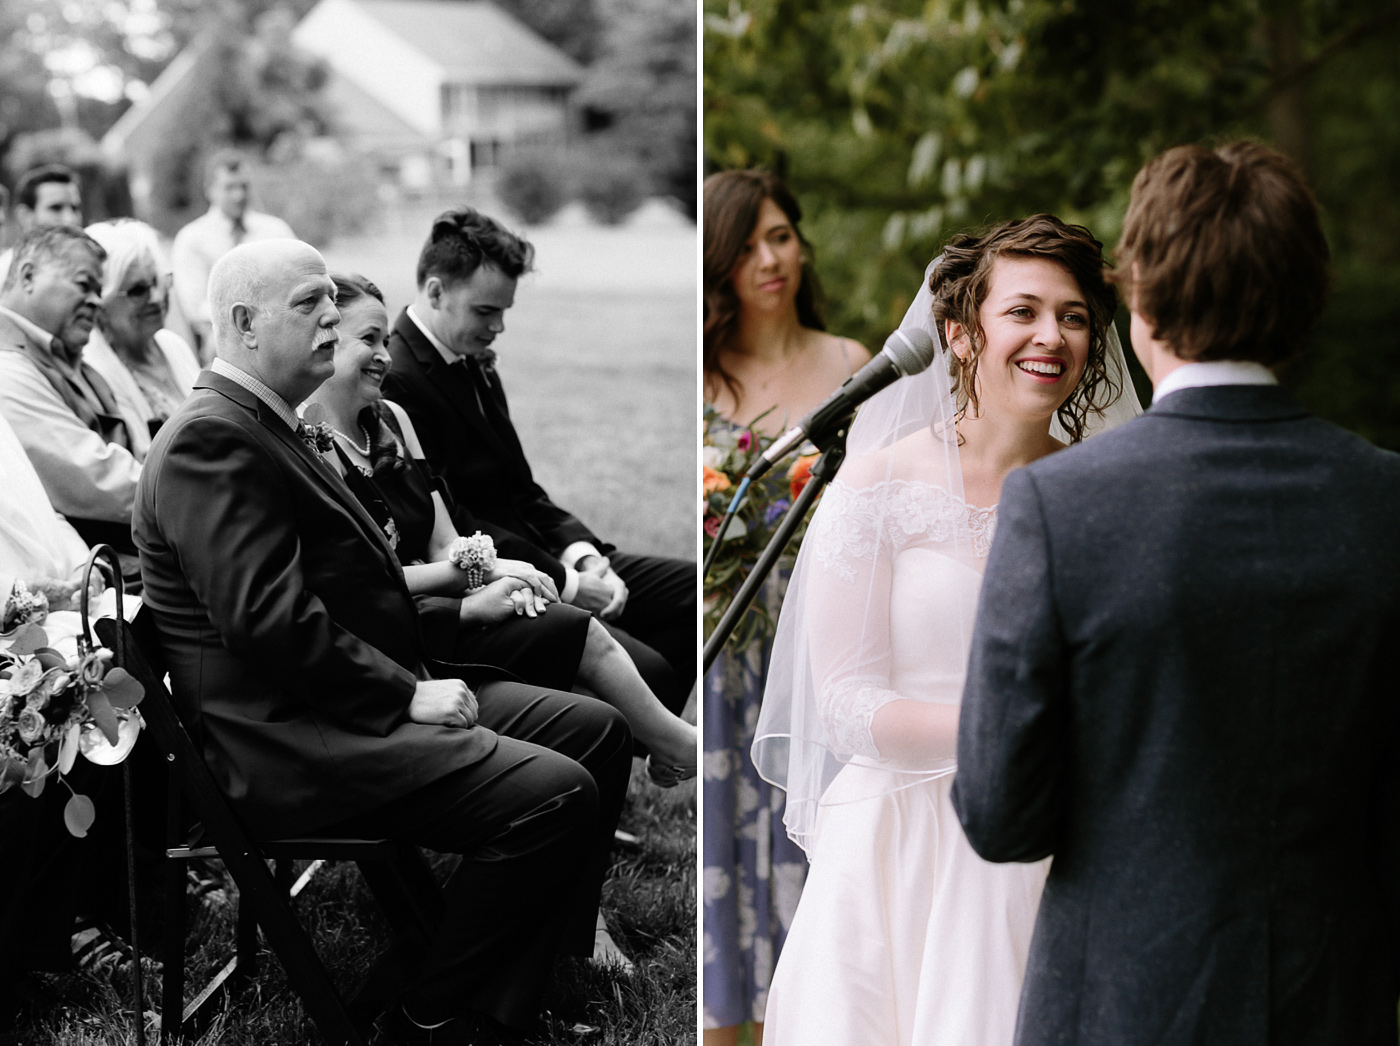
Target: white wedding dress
903, 936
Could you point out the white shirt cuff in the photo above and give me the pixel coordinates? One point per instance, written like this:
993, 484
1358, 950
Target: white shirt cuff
577, 551
570, 589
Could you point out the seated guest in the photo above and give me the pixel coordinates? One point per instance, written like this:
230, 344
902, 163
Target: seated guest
63, 411
45, 196
377, 451
443, 376
38, 547
285, 618
228, 222
149, 369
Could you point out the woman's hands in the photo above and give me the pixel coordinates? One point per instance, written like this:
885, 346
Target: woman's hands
540, 583
499, 601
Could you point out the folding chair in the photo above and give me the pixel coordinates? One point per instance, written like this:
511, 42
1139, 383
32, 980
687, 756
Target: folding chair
397, 874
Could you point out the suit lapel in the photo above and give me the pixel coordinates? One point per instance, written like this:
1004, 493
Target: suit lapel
454, 384
326, 476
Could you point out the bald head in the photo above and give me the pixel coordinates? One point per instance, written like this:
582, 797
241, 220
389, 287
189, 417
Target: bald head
273, 311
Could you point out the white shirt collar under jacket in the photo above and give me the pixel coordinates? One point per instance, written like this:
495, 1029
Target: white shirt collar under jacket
1213, 372
241, 377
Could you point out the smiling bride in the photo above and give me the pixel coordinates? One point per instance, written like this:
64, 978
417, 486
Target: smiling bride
903, 935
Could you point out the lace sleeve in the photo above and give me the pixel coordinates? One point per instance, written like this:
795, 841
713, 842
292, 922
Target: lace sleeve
849, 610
847, 708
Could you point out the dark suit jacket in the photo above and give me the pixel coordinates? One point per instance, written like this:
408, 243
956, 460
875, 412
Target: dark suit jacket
1183, 685
285, 619
479, 457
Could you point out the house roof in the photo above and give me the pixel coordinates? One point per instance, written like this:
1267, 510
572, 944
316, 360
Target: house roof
366, 121
474, 41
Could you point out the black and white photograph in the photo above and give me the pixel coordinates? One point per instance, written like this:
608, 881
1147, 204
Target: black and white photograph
348, 549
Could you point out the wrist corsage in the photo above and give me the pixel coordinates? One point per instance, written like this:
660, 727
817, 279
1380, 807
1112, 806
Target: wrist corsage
24, 607
476, 555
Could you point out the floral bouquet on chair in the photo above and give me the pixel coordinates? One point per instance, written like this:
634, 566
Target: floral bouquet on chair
726, 455
53, 709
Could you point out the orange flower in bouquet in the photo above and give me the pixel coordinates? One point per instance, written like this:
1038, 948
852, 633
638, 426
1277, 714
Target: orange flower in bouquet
715, 480
800, 472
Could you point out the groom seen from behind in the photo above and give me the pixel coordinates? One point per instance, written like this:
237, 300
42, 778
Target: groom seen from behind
1181, 682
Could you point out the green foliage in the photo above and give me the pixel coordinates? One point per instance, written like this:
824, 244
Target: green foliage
320, 198
641, 91
611, 186
899, 122
534, 184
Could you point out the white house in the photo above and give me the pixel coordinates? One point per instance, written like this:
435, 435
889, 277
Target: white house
462, 75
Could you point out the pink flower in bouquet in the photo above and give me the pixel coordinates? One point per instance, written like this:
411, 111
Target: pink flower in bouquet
745, 440
712, 526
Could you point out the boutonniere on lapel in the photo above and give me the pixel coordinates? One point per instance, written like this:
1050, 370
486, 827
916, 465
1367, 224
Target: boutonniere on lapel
486, 360
314, 432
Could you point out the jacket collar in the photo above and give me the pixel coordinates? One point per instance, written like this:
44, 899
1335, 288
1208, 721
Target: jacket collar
1230, 403
453, 381
323, 472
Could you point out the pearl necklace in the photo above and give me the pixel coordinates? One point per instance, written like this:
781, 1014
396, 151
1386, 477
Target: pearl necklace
353, 445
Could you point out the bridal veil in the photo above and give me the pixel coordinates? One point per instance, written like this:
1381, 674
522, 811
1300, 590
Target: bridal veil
838, 655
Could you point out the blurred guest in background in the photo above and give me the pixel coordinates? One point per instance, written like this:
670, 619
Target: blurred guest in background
228, 222
63, 411
150, 369
767, 361
44, 196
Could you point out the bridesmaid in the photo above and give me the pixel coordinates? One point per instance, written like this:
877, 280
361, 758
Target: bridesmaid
768, 360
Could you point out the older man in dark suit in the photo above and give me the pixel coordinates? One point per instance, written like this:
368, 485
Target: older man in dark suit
1183, 680
444, 377
285, 620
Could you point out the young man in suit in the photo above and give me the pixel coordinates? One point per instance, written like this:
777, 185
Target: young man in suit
285, 621
443, 375
1182, 681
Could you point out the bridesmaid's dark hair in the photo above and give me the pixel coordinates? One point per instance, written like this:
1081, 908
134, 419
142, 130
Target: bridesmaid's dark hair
960, 284
731, 203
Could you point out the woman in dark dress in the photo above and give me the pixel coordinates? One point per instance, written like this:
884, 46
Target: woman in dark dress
509, 616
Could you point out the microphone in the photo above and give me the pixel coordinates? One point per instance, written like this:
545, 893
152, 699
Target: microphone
906, 352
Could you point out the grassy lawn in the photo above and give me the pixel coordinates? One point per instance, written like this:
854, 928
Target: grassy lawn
599, 361
649, 902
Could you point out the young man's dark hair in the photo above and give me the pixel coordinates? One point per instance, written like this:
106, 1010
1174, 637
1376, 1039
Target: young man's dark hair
1223, 252
464, 239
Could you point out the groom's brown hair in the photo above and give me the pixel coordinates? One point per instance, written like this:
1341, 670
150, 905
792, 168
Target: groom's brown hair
1223, 253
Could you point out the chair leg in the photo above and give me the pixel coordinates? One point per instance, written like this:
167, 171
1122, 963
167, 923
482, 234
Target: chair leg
246, 941
172, 1006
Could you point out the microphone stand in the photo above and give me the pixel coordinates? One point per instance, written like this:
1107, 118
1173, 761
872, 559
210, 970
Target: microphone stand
833, 448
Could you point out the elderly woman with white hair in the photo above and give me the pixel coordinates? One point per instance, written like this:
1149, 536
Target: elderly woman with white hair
150, 369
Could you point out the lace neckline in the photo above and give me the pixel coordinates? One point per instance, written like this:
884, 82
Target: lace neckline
859, 524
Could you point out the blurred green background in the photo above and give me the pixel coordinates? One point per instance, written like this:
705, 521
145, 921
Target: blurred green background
899, 122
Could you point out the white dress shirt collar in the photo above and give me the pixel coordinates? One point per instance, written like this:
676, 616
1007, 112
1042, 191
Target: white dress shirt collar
1213, 372
279, 406
448, 356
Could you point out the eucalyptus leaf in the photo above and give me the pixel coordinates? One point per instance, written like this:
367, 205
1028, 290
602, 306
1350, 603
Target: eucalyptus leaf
78, 815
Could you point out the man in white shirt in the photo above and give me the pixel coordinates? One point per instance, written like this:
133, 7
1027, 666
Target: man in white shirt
62, 411
45, 196
202, 242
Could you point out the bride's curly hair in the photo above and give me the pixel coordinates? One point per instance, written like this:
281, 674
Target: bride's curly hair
960, 284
